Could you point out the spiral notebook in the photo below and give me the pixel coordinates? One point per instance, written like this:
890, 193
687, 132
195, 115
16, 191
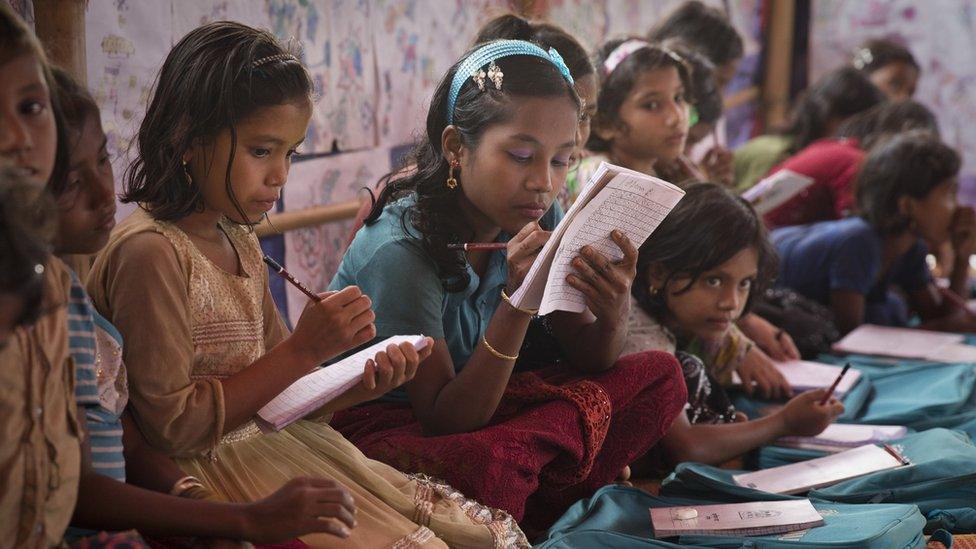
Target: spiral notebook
313, 391
754, 518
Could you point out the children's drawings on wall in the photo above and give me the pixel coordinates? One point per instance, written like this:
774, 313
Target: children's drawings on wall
941, 35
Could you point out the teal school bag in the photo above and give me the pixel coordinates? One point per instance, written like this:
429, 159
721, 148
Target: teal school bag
941, 477
617, 517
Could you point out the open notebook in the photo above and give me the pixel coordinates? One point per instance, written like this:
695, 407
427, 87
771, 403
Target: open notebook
613, 198
804, 375
754, 518
869, 339
313, 391
775, 190
844, 436
797, 478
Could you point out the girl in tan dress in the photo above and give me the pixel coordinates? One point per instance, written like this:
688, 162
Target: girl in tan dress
183, 281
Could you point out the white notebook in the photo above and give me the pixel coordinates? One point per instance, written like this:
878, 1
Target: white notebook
313, 391
754, 518
797, 478
804, 375
775, 190
613, 198
869, 339
844, 436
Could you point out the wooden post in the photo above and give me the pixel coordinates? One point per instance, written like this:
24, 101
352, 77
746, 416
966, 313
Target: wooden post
779, 63
60, 25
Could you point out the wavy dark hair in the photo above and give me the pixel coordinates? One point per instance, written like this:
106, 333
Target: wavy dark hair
840, 93
27, 225
208, 84
617, 85
707, 228
887, 119
876, 53
909, 164
435, 214
512, 27
704, 94
705, 28
17, 39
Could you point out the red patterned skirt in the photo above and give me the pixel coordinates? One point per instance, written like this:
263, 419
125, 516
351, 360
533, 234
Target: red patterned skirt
553, 440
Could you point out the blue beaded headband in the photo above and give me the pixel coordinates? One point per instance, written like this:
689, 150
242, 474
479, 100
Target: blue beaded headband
471, 67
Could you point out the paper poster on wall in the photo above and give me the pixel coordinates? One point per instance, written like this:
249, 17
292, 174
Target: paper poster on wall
313, 254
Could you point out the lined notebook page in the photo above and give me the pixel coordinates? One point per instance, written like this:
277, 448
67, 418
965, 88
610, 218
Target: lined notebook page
797, 478
613, 198
869, 339
634, 204
803, 375
846, 436
324, 384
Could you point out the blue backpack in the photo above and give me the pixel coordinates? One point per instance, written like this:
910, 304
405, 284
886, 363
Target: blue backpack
617, 517
941, 477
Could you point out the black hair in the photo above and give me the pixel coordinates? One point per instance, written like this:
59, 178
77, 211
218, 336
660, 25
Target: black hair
887, 119
706, 29
17, 39
435, 214
26, 229
876, 53
840, 93
910, 164
704, 94
616, 85
77, 105
208, 83
707, 228
512, 27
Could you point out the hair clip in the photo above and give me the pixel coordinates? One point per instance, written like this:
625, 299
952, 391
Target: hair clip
273, 58
496, 75
862, 58
673, 55
479, 78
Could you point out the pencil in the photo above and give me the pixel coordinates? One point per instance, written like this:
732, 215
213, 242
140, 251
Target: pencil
287, 276
833, 387
474, 246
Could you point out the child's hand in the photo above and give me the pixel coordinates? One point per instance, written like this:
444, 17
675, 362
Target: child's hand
302, 506
521, 252
717, 165
392, 368
804, 416
773, 341
963, 231
604, 283
341, 321
758, 372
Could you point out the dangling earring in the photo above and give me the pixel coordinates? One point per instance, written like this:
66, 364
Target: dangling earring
654, 291
186, 173
452, 183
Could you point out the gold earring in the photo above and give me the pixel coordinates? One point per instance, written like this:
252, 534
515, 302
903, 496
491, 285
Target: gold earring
654, 291
186, 173
452, 183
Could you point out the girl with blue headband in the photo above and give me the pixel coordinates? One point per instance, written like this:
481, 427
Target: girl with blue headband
500, 133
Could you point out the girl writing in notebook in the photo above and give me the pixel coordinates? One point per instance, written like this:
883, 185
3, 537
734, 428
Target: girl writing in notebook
818, 113
500, 134
183, 281
833, 163
906, 202
642, 119
696, 275
86, 210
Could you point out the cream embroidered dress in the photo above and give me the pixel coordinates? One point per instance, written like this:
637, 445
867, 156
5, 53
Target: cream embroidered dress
187, 324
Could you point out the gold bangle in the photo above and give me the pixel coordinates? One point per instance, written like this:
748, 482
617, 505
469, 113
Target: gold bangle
496, 353
530, 312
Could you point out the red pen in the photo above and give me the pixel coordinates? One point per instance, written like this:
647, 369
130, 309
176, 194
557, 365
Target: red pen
287, 276
836, 383
474, 246
894, 453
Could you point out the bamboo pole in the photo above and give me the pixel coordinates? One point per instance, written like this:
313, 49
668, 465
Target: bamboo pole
779, 63
60, 25
309, 217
